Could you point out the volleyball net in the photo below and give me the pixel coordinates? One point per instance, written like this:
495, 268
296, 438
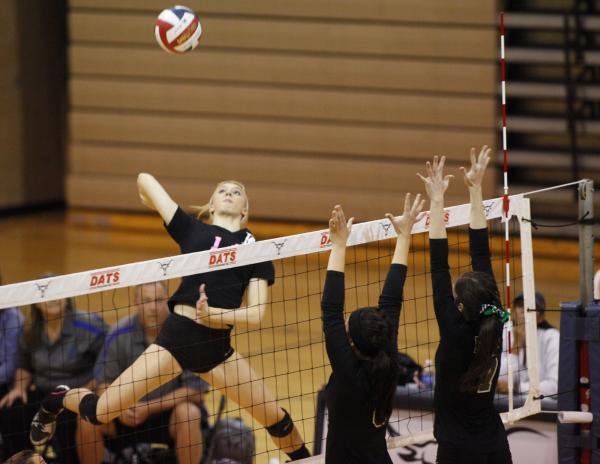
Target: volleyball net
287, 349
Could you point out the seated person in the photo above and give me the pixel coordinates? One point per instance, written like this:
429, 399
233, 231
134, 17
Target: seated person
410, 370
59, 345
548, 339
11, 326
231, 442
170, 414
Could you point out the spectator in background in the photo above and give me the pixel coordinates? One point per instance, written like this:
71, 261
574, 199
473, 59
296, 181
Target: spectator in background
11, 326
232, 442
548, 339
170, 414
59, 345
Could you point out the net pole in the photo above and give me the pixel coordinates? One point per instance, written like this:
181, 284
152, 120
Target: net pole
531, 406
586, 240
506, 208
586, 277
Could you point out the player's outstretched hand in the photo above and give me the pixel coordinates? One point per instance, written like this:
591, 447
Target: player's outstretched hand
412, 213
339, 228
474, 176
435, 182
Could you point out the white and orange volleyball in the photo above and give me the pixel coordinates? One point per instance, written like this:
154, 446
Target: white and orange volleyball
178, 29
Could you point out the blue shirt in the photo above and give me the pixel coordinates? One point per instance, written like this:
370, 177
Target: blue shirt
70, 359
11, 326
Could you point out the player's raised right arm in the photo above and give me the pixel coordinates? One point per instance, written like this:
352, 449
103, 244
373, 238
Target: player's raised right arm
155, 197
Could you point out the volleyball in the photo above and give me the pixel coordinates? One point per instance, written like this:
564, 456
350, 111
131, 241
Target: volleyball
178, 29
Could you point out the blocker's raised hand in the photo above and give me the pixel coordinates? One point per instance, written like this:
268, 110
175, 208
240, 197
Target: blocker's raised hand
339, 228
435, 182
474, 176
412, 213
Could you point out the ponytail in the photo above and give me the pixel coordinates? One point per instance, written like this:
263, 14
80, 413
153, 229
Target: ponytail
202, 212
379, 369
383, 372
478, 293
486, 357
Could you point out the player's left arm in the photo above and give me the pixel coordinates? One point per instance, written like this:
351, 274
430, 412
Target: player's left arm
390, 300
251, 315
478, 235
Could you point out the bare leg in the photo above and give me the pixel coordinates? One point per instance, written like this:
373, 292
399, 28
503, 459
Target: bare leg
236, 379
154, 367
90, 441
184, 427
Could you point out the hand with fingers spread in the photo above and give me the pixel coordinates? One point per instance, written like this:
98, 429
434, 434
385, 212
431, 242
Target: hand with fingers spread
339, 228
474, 176
435, 182
412, 213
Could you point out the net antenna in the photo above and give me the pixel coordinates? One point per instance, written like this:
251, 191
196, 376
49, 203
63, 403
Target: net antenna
506, 206
531, 406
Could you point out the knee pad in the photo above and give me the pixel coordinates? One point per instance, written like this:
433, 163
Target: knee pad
282, 428
87, 409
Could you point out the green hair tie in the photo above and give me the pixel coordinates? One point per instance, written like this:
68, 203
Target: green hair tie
491, 310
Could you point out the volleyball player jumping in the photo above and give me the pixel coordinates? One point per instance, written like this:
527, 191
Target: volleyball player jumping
364, 355
467, 426
195, 336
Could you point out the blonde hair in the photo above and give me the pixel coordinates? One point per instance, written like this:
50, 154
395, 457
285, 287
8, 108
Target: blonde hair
204, 213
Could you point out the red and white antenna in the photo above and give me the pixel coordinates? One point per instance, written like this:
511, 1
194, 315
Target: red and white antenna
506, 206
505, 199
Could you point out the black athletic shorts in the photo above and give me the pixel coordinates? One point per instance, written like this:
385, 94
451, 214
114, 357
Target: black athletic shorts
196, 347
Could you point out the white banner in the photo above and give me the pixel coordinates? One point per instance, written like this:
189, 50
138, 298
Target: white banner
98, 280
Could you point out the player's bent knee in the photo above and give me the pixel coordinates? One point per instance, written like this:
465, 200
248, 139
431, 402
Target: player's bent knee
87, 408
282, 428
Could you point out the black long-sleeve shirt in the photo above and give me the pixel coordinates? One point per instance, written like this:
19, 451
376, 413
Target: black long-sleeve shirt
464, 420
351, 436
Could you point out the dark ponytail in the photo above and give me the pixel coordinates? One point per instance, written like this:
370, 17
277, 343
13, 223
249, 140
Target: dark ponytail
486, 358
383, 372
379, 370
477, 291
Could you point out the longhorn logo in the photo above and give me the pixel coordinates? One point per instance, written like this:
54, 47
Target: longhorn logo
42, 288
386, 227
165, 266
488, 209
279, 246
